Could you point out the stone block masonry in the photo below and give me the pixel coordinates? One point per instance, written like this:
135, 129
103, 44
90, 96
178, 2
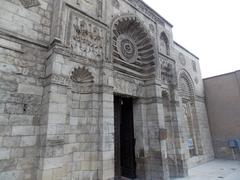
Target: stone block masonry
62, 65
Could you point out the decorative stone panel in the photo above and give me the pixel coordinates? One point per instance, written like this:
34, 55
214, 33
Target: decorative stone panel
85, 37
82, 75
132, 46
168, 73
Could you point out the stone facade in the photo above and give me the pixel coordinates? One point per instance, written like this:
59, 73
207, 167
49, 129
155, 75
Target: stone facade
223, 102
63, 62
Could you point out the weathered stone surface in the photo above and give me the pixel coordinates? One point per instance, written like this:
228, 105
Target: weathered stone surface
61, 65
23, 130
28, 89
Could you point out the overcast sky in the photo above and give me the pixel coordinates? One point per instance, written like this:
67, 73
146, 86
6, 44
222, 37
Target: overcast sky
210, 29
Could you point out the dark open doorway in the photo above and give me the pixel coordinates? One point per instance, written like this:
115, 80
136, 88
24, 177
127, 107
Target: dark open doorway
125, 165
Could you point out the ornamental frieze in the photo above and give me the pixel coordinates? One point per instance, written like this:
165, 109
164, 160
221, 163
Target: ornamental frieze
142, 7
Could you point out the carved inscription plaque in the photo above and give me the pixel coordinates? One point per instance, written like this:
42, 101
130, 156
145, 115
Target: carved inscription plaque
85, 37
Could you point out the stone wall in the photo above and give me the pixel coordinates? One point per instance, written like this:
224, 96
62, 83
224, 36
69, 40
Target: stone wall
222, 93
188, 63
24, 33
22, 72
31, 23
62, 62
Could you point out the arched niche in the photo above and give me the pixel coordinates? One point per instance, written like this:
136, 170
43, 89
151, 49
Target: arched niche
133, 49
187, 94
164, 44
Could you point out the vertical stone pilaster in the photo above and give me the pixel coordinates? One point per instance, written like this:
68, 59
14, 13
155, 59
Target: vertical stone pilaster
156, 155
141, 136
106, 124
180, 145
106, 148
53, 159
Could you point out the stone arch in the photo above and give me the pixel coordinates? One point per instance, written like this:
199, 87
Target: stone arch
187, 93
186, 85
164, 43
133, 46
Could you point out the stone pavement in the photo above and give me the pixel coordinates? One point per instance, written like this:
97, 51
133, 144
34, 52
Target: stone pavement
215, 170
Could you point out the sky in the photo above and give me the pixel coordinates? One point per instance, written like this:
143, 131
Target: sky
210, 29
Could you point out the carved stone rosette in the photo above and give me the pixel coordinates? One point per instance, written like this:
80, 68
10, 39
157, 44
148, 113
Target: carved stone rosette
132, 44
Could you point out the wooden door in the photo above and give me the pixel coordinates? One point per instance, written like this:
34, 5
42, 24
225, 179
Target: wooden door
125, 164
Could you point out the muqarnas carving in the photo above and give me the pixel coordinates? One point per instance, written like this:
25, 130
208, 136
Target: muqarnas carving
86, 38
132, 44
82, 75
29, 3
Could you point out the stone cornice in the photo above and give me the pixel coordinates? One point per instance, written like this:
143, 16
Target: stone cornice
185, 50
145, 9
21, 38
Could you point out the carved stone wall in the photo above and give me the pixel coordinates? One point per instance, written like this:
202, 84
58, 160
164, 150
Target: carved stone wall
190, 117
61, 64
132, 46
85, 37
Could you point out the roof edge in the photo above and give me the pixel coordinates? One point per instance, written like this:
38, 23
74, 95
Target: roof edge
185, 49
156, 13
233, 72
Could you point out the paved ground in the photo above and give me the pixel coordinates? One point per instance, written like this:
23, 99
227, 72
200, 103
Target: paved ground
215, 170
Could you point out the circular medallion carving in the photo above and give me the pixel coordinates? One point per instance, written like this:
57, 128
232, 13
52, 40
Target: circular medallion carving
182, 59
127, 48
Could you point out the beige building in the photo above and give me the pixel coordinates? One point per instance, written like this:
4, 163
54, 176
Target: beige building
97, 90
223, 104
